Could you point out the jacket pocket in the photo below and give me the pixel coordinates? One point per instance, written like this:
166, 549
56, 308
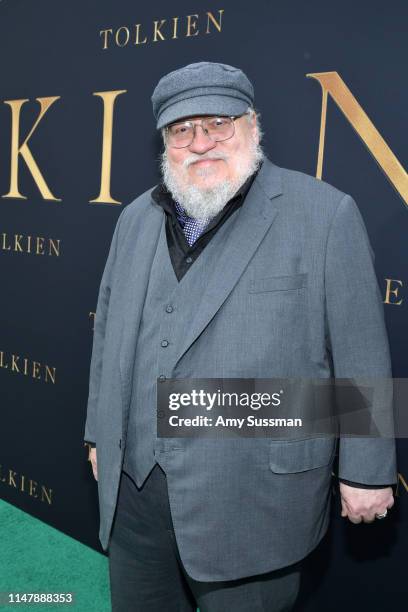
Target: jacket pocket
289, 456
278, 283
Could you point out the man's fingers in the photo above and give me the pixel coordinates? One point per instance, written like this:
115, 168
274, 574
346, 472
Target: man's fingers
346, 511
94, 463
354, 518
369, 518
362, 505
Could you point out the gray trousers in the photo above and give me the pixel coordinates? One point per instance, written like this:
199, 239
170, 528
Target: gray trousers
147, 574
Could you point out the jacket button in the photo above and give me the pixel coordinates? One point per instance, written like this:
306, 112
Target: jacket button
169, 308
164, 342
189, 259
162, 377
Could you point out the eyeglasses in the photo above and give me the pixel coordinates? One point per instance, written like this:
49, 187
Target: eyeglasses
180, 135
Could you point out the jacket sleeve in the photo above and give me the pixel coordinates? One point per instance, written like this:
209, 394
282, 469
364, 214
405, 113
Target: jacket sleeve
99, 336
359, 485
357, 339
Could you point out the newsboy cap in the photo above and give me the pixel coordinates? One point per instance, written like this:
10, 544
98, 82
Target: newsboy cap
204, 88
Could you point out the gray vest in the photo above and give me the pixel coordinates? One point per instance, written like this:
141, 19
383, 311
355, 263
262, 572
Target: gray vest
168, 310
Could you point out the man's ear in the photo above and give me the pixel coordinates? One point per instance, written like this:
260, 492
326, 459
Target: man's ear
254, 128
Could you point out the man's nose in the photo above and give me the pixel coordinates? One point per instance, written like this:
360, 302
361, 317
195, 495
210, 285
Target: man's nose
201, 141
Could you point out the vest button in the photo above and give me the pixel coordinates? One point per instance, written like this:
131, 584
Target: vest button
164, 342
162, 378
169, 308
189, 259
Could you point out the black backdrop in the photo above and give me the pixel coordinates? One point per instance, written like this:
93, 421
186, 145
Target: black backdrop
57, 49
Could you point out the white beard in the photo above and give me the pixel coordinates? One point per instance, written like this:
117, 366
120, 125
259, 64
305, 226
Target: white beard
205, 203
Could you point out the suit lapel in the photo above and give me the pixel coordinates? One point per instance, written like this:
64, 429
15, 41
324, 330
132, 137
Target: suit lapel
253, 221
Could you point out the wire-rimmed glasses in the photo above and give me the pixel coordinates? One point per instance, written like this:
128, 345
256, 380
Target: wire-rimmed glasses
181, 134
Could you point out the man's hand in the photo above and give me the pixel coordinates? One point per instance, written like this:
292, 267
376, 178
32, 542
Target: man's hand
92, 458
363, 504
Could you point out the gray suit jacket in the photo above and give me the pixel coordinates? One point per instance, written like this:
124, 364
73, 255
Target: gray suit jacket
295, 294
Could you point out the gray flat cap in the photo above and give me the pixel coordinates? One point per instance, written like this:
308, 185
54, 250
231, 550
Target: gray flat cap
204, 88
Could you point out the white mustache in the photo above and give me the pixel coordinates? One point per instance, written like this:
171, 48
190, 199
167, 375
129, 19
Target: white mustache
194, 158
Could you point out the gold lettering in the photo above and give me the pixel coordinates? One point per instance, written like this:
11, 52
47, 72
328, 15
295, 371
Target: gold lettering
13, 478
24, 151
156, 31
32, 368
106, 32
17, 245
191, 25
175, 25
2, 365
50, 373
46, 494
138, 41
32, 488
211, 17
126, 30
11, 481
40, 246
5, 248
14, 365
54, 248
36, 365
388, 291
108, 100
331, 83
22, 244
401, 480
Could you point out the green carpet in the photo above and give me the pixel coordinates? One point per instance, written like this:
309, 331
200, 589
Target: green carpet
35, 557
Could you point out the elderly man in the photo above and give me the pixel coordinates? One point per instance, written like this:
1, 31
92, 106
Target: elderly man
231, 267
